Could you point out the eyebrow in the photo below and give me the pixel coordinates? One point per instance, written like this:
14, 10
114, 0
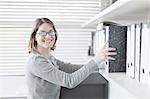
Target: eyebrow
46, 31
42, 31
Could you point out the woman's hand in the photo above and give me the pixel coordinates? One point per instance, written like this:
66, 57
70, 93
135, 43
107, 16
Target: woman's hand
105, 54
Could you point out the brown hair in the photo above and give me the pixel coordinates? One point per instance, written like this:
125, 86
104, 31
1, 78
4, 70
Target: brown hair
32, 42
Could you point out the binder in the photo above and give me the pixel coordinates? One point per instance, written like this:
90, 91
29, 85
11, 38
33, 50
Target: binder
116, 37
144, 70
137, 51
107, 40
131, 51
128, 69
99, 38
148, 47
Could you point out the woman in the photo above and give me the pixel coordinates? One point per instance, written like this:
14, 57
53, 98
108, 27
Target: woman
46, 74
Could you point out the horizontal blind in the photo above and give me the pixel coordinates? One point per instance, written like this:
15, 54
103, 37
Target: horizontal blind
16, 20
72, 46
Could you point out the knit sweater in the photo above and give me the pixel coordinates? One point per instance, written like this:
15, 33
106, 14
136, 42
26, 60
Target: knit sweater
46, 76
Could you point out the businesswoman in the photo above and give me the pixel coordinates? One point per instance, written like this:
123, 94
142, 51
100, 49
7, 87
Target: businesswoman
45, 74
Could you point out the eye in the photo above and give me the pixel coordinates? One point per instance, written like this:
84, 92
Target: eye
51, 33
42, 33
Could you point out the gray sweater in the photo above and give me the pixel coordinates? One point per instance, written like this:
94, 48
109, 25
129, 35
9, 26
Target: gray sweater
46, 76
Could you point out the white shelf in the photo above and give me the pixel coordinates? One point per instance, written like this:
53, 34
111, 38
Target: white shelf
137, 89
123, 12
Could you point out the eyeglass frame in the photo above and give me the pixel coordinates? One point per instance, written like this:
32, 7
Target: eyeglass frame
51, 33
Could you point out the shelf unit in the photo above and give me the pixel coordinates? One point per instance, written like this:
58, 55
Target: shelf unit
123, 12
125, 87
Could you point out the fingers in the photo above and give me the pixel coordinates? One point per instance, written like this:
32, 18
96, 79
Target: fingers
110, 49
111, 53
110, 58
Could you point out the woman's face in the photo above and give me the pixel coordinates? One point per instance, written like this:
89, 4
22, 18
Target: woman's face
45, 36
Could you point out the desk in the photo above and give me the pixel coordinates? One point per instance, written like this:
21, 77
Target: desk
94, 87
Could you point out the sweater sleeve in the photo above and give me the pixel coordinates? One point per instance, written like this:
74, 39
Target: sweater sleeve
47, 71
67, 67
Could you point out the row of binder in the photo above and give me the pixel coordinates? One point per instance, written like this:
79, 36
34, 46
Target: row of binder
138, 52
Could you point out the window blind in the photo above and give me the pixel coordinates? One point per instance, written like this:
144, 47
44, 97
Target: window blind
17, 17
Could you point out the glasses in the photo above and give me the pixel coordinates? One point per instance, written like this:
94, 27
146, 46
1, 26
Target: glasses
43, 33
